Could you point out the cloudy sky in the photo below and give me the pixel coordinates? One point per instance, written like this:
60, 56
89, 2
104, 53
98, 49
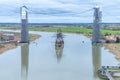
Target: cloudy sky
60, 11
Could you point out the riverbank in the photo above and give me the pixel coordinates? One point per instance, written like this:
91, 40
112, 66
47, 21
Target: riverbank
114, 48
6, 47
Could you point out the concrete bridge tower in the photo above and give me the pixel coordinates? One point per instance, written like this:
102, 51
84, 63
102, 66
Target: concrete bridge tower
96, 35
24, 25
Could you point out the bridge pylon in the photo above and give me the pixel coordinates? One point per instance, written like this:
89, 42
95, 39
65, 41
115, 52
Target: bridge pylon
96, 34
24, 25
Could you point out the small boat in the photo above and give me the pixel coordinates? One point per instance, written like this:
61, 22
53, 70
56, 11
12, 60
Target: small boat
59, 39
59, 42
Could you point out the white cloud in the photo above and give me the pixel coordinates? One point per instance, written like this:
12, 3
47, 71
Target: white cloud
75, 1
58, 10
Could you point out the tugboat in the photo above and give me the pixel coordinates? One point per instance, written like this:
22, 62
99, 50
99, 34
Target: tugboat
59, 38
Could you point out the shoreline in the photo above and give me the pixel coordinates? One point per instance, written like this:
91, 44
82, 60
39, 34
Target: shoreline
7, 47
114, 48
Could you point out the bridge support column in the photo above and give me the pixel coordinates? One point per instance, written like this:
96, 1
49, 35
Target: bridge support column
24, 25
96, 34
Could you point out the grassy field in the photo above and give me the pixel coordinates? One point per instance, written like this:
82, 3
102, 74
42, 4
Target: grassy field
64, 29
69, 29
118, 69
73, 30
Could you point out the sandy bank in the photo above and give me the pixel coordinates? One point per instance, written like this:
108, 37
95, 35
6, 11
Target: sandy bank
6, 47
114, 48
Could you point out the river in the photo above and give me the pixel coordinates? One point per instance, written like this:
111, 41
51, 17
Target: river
40, 60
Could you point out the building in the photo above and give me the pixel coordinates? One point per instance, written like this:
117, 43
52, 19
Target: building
7, 37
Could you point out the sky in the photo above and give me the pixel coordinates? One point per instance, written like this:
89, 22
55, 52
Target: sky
59, 11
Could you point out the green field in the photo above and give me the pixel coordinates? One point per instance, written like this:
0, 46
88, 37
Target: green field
64, 29
73, 30
118, 69
69, 29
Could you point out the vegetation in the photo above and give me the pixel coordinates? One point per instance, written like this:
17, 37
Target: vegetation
118, 69
73, 30
110, 31
31, 35
1, 46
64, 29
